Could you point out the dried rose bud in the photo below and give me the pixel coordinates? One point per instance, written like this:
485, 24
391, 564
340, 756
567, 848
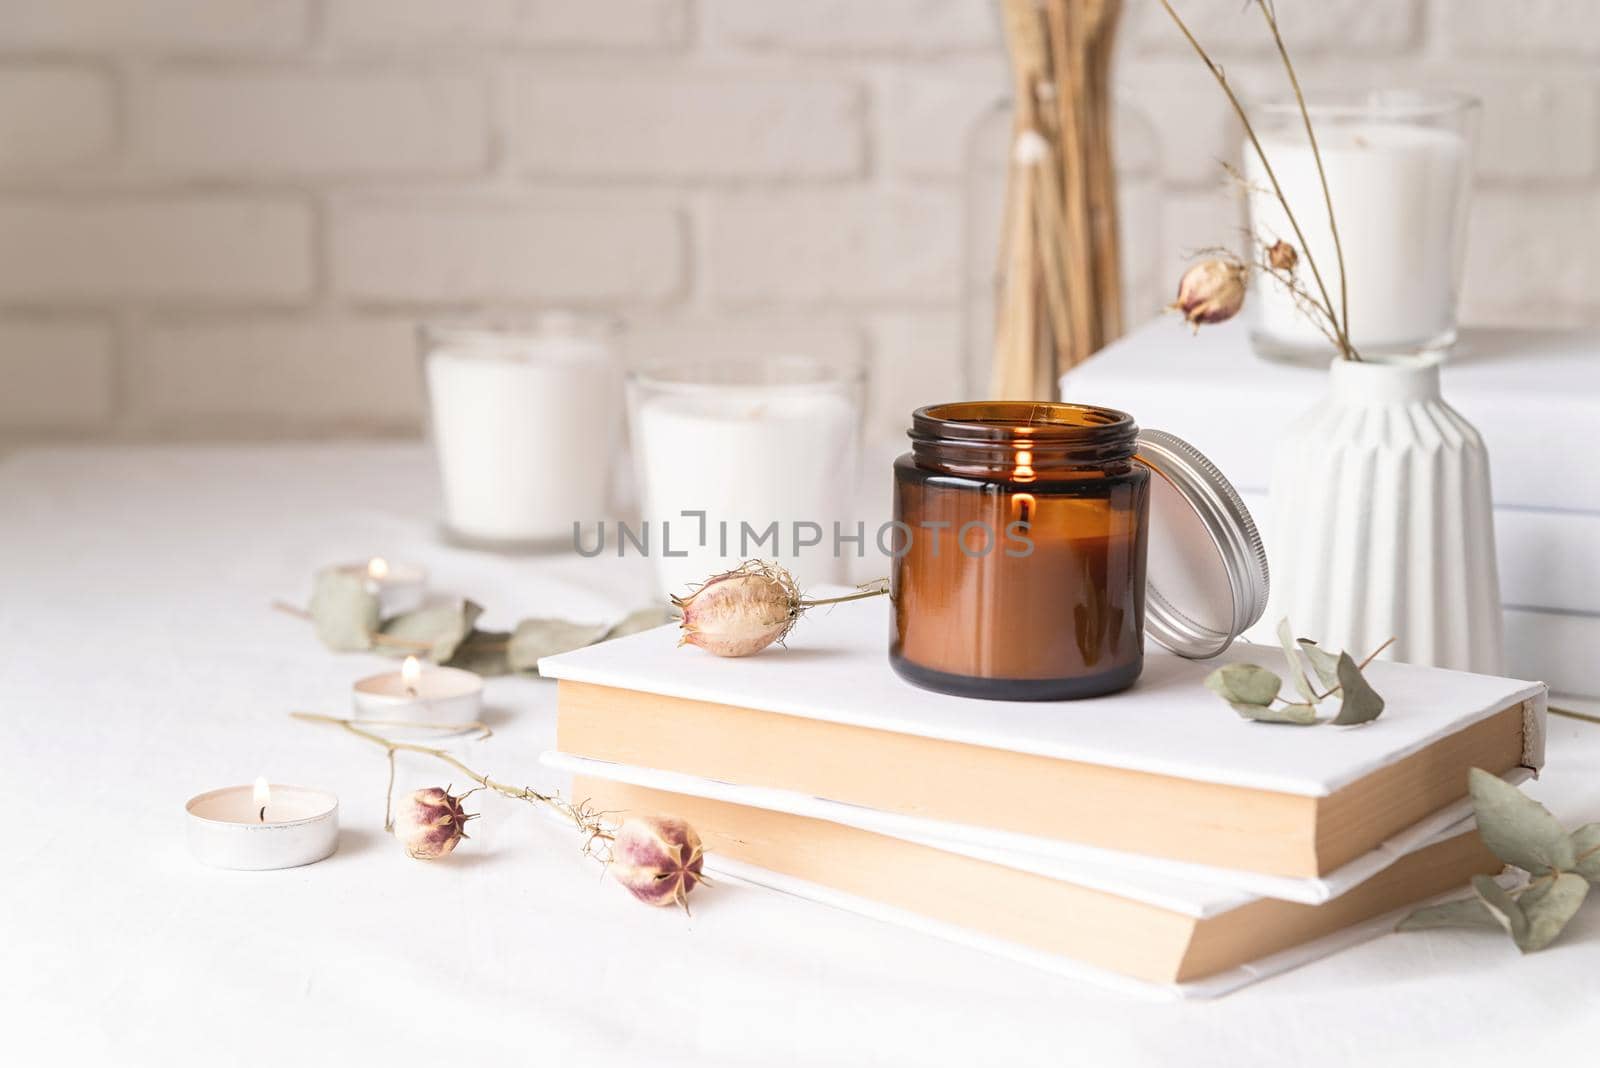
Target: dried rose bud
430, 822
741, 612
1282, 256
658, 858
1212, 291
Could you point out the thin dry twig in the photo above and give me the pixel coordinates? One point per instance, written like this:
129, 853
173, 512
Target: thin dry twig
1346, 350
1270, 14
585, 819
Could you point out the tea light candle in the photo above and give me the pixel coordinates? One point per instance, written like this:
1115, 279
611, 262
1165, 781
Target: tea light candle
400, 587
440, 696
262, 827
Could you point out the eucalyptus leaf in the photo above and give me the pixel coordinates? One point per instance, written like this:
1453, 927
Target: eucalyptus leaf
1548, 913
483, 652
1359, 703
634, 622
343, 611
1297, 714
1502, 906
1586, 851
1516, 828
536, 638
1324, 663
444, 627
1467, 912
1244, 684
1297, 671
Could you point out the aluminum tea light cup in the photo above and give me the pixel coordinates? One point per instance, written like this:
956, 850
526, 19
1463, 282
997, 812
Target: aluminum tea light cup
399, 587
420, 696
262, 827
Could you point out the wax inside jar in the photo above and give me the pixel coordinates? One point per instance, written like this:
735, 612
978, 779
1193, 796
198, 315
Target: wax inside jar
1064, 619
1399, 192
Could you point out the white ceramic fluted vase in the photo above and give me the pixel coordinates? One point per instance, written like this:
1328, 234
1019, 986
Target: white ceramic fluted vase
1383, 524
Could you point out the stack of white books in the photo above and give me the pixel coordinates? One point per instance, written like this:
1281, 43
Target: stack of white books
1148, 839
1534, 395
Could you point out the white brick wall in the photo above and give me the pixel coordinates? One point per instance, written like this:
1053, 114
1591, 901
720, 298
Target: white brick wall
266, 125
223, 217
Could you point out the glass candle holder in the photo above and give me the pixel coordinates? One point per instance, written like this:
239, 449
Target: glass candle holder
738, 459
1023, 570
525, 421
1398, 165
1038, 544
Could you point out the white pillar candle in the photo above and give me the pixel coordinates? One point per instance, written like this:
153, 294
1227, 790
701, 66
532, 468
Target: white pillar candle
400, 587
756, 454
525, 425
1399, 190
418, 695
263, 826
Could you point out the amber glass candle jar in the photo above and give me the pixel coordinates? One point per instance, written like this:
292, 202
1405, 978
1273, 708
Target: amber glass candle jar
1021, 538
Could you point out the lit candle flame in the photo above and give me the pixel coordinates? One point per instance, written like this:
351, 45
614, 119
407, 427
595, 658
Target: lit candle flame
1024, 466
262, 794
378, 568
411, 674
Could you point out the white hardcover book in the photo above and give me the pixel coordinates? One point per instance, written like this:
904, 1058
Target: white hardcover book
1191, 889
1106, 873
835, 669
1534, 395
1558, 646
1550, 584
1547, 561
1211, 986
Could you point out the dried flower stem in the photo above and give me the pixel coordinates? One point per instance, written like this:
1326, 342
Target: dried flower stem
877, 589
1271, 15
1572, 714
1346, 350
586, 820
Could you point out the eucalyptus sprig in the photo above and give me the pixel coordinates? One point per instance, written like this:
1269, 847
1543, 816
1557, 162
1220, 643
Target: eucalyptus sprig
345, 614
1520, 831
1253, 691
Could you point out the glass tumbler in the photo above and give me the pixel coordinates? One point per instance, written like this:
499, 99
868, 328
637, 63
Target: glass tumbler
1398, 165
748, 458
526, 421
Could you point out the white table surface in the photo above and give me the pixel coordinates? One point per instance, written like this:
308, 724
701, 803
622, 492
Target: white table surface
140, 664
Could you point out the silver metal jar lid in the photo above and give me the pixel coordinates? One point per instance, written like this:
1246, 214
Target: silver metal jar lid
1207, 569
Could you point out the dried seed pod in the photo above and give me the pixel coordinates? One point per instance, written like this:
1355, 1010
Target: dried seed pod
741, 611
1282, 256
658, 858
430, 822
1212, 291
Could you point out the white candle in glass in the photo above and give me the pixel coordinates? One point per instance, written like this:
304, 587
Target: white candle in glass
525, 423
263, 826
757, 442
1397, 165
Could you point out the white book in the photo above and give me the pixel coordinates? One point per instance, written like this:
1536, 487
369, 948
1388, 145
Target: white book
1549, 564
1548, 561
1211, 986
1534, 395
1198, 900
1192, 889
1558, 646
1166, 729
